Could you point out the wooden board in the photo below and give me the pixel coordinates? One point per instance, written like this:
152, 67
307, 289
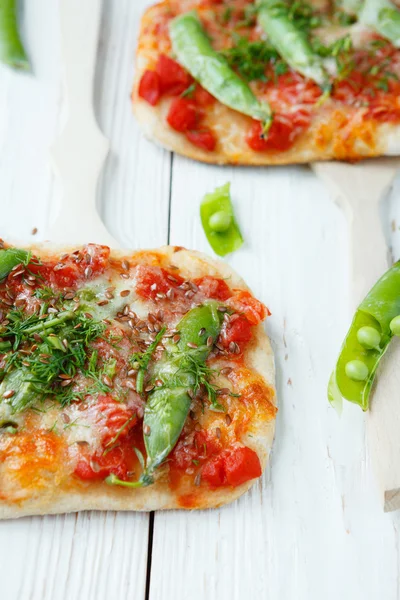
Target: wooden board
313, 528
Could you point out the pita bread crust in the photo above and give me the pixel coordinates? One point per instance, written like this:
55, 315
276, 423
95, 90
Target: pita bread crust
328, 137
98, 496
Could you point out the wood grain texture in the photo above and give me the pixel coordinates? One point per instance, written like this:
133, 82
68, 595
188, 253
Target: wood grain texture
313, 528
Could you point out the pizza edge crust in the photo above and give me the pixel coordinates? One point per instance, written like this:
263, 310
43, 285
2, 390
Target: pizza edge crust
158, 496
152, 119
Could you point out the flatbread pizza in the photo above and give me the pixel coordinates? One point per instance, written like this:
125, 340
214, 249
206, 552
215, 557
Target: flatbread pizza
129, 381
270, 82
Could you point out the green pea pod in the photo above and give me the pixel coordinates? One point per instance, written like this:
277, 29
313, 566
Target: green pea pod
228, 240
12, 51
290, 41
382, 16
361, 354
23, 390
193, 49
10, 258
167, 407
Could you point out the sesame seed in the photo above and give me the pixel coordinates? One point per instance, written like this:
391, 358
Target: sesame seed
88, 259
65, 418
197, 479
64, 376
192, 345
102, 303
210, 341
109, 295
222, 309
65, 382
125, 265
107, 381
228, 419
124, 293
232, 347
88, 272
176, 338
158, 383
34, 231
146, 429
8, 394
149, 388
171, 294
129, 384
218, 433
124, 276
226, 371
202, 331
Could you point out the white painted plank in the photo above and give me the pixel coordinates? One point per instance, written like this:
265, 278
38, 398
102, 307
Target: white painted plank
313, 528
91, 555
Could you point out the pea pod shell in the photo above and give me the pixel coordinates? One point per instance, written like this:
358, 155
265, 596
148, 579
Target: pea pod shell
193, 49
24, 391
12, 52
167, 408
10, 258
382, 16
290, 41
377, 310
221, 242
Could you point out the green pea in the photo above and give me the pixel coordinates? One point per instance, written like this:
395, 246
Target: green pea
356, 370
395, 325
369, 337
220, 221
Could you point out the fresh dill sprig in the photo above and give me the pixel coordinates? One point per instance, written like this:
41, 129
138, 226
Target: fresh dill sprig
141, 360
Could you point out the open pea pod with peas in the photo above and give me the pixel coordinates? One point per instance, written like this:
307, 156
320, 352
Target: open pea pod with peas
376, 321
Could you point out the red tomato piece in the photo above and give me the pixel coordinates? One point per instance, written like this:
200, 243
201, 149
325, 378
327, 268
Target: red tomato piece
241, 464
151, 281
238, 331
97, 467
114, 418
204, 139
284, 131
75, 267
173, 78
212, 287
150, 87
213, 472
203, 446
251, 308
183, 115
202, 97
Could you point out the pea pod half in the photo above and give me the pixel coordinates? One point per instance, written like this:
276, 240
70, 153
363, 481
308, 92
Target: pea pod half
219, 223
291, 41
11, 49
384, 17
193, 50
168, 406
368, 338
10, 258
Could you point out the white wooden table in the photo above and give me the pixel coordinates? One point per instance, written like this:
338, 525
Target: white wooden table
312, 529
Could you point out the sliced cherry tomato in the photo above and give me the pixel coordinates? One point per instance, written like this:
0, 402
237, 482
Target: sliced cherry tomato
86, 264
242, 464
238, 331
151, 281
114, 419
213, 287
213, 472
284, 131
202, 97
183, 115
150, 87
173, 78
203, 446
97, 467
203, 138
251, 308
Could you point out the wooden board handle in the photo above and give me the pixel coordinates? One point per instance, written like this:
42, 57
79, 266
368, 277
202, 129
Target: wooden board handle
369, 254
79, 153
